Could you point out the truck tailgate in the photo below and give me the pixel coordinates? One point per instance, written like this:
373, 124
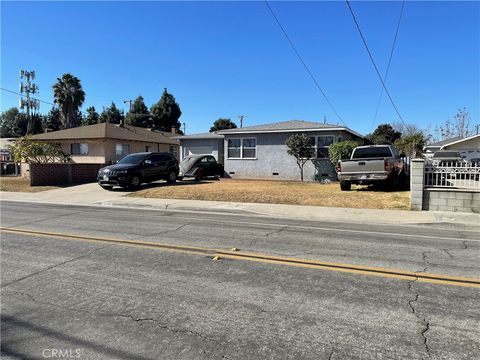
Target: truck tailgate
359, 166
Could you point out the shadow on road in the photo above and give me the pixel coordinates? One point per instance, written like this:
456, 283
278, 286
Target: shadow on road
13, 327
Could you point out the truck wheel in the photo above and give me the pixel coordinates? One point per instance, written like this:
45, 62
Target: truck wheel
345, 185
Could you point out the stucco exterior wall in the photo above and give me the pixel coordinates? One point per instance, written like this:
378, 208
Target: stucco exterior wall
215, 144
272, 158
102, 151
468, 149
135, 146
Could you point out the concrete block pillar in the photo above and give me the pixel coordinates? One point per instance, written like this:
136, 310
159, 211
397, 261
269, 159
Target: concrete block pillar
417, 179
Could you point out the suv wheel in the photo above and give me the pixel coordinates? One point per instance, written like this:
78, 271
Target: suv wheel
135, 182
172, 177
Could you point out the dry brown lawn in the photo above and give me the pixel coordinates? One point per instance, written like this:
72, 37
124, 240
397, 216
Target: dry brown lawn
279, 192
20, 184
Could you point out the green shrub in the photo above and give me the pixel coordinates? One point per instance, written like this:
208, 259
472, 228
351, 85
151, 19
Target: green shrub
341, 150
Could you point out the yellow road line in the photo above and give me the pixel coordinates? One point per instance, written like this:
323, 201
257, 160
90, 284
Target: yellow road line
269, 259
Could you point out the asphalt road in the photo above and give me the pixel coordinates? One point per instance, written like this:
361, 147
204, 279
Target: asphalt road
96, 300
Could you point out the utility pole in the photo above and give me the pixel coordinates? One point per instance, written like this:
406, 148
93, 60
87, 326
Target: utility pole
27, 89
241, 117
184, 129
130, 104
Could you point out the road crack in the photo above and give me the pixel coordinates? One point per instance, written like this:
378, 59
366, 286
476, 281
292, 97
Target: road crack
140, 320
414, 300
276, 231
447, 251
55, 266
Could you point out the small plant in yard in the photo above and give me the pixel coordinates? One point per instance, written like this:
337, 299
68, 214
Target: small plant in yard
27, 150
300, 146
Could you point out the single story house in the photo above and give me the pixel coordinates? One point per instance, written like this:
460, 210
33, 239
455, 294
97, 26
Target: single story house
106, 143
468, 147
207, 143
260, 152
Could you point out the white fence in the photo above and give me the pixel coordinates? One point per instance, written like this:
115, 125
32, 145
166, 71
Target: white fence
457, 175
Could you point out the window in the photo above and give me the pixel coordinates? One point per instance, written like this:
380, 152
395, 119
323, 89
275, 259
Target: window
320, 145
234, 146
242, 148
158, 158
173, 150
147, 148
122, 149
79, 149
249, 148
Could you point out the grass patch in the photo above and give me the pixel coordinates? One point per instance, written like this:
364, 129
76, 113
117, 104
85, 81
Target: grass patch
21, 184
279, 192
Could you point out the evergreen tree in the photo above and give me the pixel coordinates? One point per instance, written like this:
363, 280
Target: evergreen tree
91, 117
384, 134
35, 125
165, 113
139, 114
111, 115
222, 124
52, 120
13, 123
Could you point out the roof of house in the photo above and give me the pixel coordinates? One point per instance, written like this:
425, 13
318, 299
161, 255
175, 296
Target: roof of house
109, 131
455, 140
210, 135
288, 126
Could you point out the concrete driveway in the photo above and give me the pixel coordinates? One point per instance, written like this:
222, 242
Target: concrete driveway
78, 194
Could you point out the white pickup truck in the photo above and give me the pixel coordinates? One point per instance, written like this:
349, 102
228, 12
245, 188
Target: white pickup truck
372, 164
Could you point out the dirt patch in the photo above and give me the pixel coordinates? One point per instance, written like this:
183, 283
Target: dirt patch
279, 192
20, 184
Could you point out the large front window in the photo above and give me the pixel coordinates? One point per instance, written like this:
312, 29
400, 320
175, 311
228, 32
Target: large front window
245, 148
320, 145
122, 149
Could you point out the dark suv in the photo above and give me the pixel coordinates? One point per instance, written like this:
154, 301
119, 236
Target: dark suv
138, 168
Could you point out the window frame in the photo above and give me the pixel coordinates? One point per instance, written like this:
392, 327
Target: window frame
123, 148
242, 147
80, 145
316, 146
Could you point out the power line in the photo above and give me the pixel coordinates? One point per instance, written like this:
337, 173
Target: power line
303, 62
16, 93
373, 62
389, 61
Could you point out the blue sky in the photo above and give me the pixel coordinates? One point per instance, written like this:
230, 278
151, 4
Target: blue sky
224, 59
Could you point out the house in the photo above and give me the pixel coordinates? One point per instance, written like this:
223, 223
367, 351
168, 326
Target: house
7, 164
260, 152
106, 143
207, 143
468, 147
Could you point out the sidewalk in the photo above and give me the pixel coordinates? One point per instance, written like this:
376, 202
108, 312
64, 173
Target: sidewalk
93, 195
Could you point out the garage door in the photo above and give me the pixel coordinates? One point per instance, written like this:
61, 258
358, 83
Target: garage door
199, 150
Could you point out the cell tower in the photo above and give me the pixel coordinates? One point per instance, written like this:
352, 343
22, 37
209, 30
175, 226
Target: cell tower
27, 89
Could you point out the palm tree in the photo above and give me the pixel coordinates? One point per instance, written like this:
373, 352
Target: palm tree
69, 96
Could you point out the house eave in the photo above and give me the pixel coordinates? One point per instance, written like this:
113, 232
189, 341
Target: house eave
290, 130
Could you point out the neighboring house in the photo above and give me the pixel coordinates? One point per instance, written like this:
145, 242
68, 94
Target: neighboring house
260, 152
208, 143
106, 143
7, 163
469, 147
6, 153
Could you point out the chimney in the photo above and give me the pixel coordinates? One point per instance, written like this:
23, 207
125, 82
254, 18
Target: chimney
174, 130
121, 123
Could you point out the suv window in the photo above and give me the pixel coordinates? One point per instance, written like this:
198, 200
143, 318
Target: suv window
156, 158
211, 159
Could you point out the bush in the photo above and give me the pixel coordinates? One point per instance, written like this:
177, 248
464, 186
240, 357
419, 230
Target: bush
27, 150
341, 150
